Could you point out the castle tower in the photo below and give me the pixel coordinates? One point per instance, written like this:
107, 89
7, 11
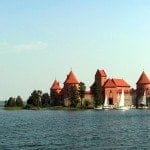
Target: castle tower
55, 93
71, 80
100, 77
56, 87
142, 86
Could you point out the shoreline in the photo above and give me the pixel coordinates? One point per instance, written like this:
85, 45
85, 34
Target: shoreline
67, 108
46, 108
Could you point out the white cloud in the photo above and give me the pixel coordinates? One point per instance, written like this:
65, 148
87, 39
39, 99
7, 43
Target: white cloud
34, 46
28, 47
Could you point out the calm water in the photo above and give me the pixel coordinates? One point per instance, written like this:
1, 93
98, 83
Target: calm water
55, 129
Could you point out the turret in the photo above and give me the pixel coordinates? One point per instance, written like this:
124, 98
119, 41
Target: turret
71, 80
143, 84
100, 77
56, 87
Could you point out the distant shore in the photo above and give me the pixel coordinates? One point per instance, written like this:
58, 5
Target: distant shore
46, 108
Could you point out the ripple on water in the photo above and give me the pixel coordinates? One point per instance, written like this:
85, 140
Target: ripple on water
89, 129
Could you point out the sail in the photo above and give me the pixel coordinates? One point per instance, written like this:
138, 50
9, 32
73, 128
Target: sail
106, 101
121, 102
143, 102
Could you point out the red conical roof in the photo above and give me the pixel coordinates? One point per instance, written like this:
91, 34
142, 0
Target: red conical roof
71, 79
56, 85
102, 73
143, 79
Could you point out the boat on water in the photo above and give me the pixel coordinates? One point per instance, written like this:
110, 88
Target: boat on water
143, 104
123, 108
132, 107
98, 108
121, 105
106, 106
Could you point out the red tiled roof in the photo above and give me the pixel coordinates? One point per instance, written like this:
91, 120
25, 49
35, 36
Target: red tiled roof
71, 79
112, 83
55, 85
102, 73
120, 83
109, 84
143, 79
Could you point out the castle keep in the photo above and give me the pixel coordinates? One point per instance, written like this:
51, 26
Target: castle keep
110, 87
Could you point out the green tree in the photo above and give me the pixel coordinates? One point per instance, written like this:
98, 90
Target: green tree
74, 96
11, 102
86, 104
82, 89
95, 89
35, 98
55, 98
19, 101
45, 99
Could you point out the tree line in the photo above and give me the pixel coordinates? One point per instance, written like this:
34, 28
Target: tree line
39, 100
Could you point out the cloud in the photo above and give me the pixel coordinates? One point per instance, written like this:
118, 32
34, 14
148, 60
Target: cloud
28, 47
34, 46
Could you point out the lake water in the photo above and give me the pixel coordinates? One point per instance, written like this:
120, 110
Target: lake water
77, 130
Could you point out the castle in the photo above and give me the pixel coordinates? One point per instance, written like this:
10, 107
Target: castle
112, 87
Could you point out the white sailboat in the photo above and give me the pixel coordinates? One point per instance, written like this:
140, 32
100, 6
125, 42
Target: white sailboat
98, 108
106, 105
121, 105
143, 102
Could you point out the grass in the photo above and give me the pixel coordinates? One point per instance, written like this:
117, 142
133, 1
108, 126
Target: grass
13, 108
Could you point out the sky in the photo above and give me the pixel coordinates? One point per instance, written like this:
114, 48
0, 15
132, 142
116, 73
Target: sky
41, 40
